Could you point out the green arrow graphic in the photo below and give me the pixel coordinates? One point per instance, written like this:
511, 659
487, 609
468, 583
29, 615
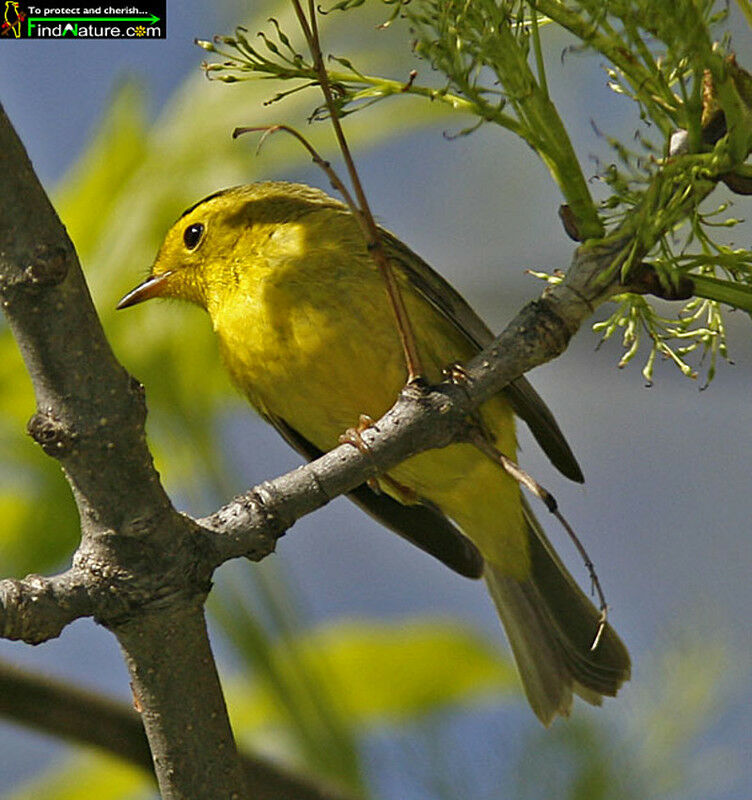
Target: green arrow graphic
151, 19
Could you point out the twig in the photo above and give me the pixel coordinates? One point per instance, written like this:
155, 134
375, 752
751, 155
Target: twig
268, 130
480, 440
362, 209
540, 64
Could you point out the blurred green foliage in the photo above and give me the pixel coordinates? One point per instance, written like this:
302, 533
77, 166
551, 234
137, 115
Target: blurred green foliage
655, 749
86, 776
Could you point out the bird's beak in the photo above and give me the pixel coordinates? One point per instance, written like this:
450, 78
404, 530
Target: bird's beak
151, 287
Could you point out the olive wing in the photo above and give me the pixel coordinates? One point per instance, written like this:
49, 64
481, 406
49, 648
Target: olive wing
525, 401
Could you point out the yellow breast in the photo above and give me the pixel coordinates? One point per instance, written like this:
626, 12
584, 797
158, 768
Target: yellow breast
309, 337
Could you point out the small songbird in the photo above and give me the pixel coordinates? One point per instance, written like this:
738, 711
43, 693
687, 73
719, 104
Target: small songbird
307, 333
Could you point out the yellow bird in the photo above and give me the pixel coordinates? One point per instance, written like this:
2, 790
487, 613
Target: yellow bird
307, 333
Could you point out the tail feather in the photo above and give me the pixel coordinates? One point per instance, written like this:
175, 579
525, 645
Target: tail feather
551, 625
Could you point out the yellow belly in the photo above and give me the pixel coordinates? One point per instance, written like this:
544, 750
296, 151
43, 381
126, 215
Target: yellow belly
319, 365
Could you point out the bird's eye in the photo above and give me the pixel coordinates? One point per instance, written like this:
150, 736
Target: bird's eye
192, 235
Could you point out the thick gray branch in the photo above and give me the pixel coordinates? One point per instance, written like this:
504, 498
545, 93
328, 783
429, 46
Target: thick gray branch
37, 608
172, 676
140, 568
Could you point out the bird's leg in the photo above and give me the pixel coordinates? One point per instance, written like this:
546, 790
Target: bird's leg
474, 429
354, 436
404, 494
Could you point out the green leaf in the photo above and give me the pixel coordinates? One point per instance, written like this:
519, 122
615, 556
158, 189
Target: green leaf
115, 152
40, 520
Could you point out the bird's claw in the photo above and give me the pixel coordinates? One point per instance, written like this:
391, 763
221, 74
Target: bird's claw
354, 436
457, 374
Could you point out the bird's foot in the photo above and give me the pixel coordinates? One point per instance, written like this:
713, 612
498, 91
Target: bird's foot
457, 374
354, 436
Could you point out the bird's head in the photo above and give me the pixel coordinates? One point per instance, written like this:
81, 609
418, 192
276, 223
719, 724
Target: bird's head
223, 241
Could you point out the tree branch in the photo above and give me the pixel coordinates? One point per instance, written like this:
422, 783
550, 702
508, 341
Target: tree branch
37, 609
176, 688
139, 567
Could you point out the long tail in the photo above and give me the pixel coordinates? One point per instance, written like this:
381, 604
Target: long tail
551, 625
